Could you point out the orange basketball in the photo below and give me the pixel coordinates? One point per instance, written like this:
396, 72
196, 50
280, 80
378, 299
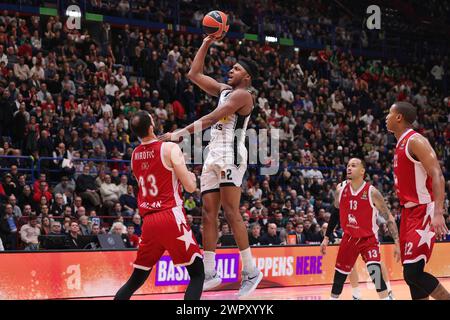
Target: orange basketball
216, 24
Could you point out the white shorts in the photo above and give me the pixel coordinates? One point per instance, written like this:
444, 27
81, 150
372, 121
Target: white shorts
215, 176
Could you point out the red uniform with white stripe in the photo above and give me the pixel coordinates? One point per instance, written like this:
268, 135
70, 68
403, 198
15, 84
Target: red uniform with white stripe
161, 206
358, 220
414, 190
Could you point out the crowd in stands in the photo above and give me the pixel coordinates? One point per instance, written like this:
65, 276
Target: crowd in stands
69, 95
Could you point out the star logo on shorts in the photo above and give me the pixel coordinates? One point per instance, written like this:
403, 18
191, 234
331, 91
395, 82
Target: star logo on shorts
187, 238
425, 236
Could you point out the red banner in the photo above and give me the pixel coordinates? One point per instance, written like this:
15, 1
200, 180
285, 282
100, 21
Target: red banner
49, 275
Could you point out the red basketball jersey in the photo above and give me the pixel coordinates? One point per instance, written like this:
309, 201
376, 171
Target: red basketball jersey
159, 188
357, 212
412, 183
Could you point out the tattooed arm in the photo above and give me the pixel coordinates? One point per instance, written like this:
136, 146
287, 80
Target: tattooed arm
380, 204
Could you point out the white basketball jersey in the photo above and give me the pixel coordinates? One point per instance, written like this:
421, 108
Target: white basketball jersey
227, 144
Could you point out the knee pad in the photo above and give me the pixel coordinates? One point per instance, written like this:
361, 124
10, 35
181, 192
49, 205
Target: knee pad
377, 276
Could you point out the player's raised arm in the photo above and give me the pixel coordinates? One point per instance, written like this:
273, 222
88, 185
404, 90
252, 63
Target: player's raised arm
175, 159
238, 99
206, 83
420, 148
380, 204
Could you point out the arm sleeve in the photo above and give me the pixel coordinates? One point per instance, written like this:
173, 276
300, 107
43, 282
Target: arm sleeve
334, 219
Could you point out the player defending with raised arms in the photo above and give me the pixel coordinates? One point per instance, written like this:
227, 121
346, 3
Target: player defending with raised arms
159, 168
359, 204
419, 184
226, 162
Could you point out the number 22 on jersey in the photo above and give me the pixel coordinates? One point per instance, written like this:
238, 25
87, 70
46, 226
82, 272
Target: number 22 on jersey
150, 187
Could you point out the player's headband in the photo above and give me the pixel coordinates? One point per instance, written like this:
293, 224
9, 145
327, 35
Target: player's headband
251, 70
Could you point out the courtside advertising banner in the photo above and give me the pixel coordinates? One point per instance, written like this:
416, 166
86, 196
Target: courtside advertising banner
56, 275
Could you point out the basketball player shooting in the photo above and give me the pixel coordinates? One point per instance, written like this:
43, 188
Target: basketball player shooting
226, 162
419, 184
359, 204
159, 168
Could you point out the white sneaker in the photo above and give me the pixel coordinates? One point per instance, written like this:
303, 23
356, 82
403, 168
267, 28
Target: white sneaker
391, 295
249, 283
211, 282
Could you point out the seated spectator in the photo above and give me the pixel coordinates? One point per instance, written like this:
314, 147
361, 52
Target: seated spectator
132, 238
80, 212
87, 189
116, 211
136, 222
37, 183
73, 241
42, 193
128, 201
65, 185
95, 231
190, 221
84, 224
313, 235
189, 204
29, 234
226, 239
12, 200
45, 225
383, 233
26, 197
57, 208
55, 229
271, 237
299, 234
8, 228
110, 193
119, 229
254, 238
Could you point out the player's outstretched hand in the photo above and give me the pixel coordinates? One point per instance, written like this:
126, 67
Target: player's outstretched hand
170, 136
323, 246
439, 227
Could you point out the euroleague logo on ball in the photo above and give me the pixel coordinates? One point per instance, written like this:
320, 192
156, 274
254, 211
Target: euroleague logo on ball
216, 24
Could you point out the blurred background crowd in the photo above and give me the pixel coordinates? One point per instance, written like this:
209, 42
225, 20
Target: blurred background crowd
67, 96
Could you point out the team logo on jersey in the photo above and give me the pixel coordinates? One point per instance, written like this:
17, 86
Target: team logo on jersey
224, 119
144, 165
364, 196
402, 145
352, 219
222, 174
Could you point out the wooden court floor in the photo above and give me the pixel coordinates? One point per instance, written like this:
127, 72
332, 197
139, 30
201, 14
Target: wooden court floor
399, 288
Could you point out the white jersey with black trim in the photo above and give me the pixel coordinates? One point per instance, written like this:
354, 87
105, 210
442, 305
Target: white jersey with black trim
227, 144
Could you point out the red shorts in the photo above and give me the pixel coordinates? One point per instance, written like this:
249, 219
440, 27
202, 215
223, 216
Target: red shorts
416, 235
350, 248
166, 230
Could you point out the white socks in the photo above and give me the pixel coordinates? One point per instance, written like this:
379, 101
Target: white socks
388, 285
248, 265
356, 293
209, 260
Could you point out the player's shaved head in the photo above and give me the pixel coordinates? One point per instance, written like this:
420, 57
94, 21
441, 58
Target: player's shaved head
407, 110
141, 122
